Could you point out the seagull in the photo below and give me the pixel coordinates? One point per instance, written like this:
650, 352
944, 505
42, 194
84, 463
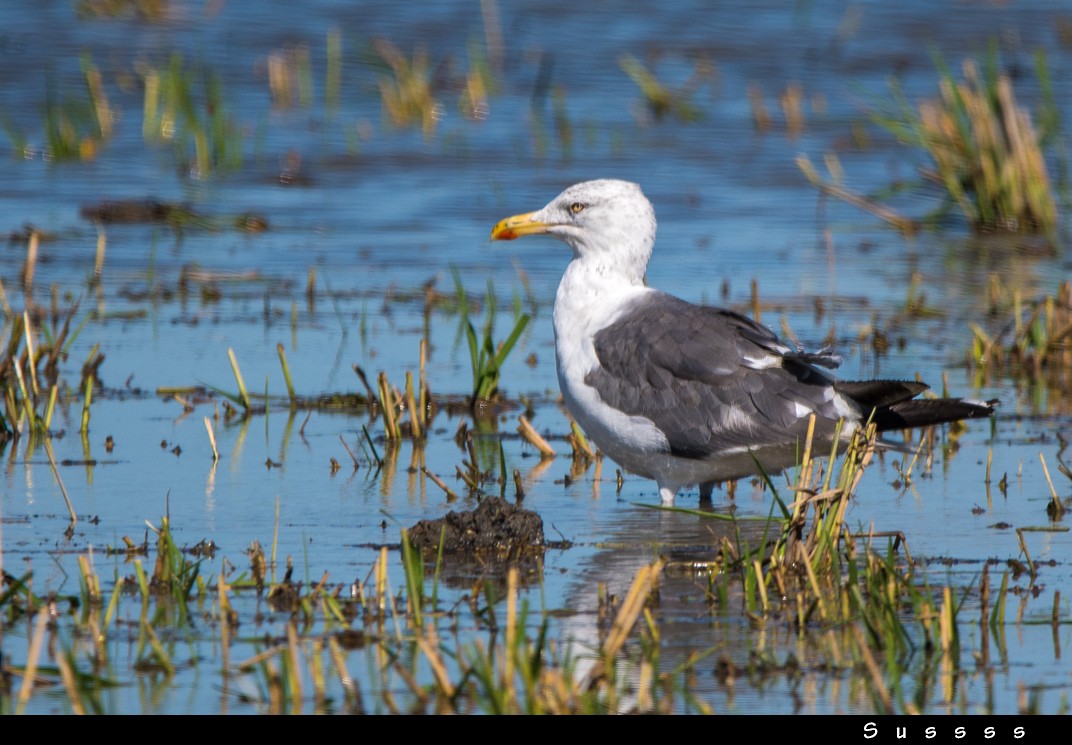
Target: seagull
691, 394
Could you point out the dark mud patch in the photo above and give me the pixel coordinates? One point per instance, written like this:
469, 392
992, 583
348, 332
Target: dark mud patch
136, 211
495, 529
152, 211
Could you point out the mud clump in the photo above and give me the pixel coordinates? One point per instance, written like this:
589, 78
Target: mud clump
494, 528
136, 211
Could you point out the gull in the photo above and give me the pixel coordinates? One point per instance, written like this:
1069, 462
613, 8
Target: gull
690, 394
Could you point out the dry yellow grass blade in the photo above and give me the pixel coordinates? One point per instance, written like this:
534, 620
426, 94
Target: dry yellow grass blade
643, 584
531, 436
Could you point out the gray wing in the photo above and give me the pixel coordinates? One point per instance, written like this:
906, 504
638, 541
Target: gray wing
709, 378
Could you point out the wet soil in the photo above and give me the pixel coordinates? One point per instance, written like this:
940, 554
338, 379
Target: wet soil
494, 528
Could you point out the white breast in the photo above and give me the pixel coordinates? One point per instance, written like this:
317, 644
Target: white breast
583, 306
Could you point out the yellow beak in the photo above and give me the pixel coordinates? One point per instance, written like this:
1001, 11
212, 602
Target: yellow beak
514, 227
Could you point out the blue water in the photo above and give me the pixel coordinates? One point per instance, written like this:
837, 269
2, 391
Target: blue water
378, 211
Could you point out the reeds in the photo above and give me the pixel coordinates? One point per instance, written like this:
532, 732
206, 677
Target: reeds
660, 100
810, 569
75, 126
290, 78
486, 357
1033, 341
188, 108
406, 93
852, 602
413, 660
29, 371
984, 146
410, 87
405, 638
860, 593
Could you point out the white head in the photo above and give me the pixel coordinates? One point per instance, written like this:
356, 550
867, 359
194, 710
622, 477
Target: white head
609, 224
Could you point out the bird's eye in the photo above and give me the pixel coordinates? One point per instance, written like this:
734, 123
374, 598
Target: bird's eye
577, 207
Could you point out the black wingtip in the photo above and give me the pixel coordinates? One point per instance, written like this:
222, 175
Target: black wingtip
870, 394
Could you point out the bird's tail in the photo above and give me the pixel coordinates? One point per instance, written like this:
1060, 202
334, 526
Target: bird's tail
895, 406
923, 412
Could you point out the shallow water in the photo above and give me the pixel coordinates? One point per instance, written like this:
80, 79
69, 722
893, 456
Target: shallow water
378, 212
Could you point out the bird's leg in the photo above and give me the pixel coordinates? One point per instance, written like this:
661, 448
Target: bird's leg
706, 488
667, 493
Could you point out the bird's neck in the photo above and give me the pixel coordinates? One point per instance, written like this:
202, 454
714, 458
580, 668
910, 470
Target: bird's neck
591, 295
605, 271
589, 280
